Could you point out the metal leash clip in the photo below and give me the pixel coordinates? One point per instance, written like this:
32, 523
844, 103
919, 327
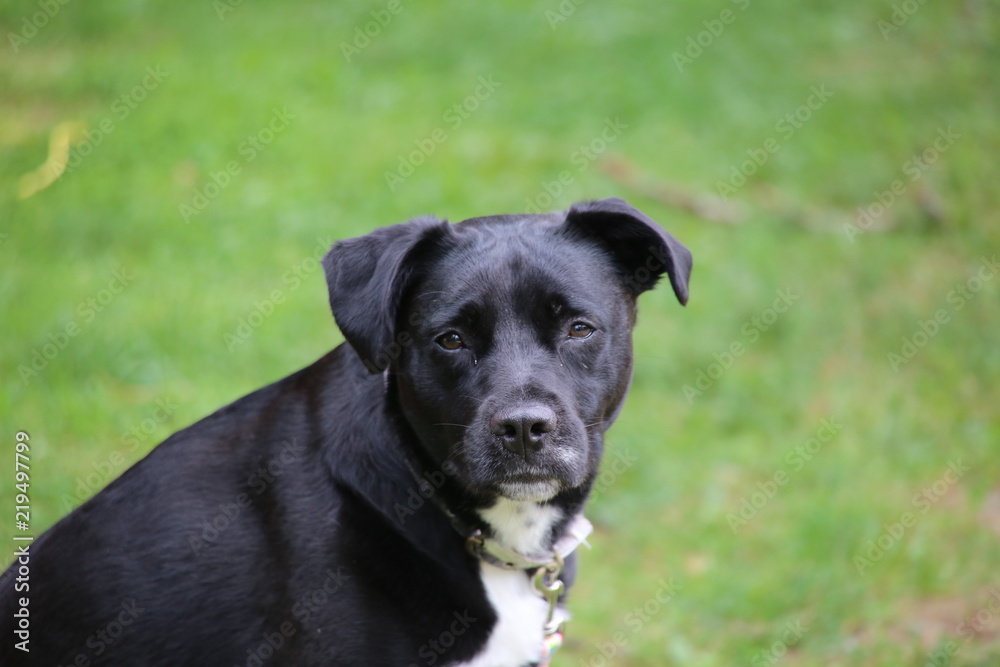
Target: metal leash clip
550, 586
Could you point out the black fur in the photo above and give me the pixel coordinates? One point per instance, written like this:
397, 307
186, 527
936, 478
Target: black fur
288, 528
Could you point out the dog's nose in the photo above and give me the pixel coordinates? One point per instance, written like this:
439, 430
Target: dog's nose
522, 429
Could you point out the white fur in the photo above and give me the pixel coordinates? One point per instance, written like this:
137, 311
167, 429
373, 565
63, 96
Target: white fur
525, 527
517, 636
530, 491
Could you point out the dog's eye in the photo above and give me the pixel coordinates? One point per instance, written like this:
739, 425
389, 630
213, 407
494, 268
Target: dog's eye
450, 341
580, 330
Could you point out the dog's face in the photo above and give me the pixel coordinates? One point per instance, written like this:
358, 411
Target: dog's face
520, 357
507, 338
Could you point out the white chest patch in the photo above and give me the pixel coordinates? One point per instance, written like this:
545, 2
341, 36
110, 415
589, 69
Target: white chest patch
523, 526
518, 634
517, 637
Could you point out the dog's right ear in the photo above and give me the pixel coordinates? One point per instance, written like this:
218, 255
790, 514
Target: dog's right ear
366, 277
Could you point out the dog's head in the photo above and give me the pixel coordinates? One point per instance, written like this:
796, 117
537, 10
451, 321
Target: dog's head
507, 339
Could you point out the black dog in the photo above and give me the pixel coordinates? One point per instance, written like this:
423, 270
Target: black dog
412, 498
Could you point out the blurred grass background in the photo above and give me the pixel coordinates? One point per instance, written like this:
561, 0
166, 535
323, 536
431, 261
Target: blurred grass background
168, 346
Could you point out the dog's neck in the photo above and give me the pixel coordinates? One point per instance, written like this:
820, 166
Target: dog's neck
524, 526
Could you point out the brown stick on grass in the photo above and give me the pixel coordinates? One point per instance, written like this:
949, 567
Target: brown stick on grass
769, 202
706, 206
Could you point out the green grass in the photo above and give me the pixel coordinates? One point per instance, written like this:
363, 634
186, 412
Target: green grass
157, 357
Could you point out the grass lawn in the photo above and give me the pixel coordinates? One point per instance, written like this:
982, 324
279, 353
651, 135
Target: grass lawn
807, 471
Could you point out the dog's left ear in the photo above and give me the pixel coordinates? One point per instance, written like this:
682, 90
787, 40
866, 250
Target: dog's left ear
642, 250
366, 277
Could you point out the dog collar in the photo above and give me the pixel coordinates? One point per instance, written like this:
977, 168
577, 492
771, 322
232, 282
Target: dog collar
547, 567
490, 551
546, 576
